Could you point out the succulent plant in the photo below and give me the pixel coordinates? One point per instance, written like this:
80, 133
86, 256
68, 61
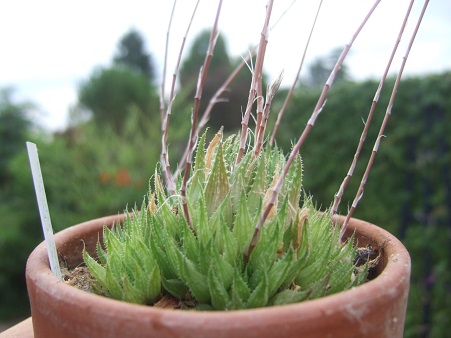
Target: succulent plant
235, 229
155, 252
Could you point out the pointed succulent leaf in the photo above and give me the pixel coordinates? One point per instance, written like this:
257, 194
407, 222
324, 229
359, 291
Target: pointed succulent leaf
196, 281
242, 171
239, 292
170, 221
196, 186
113, 278
173, 252
243, 227
97, 270
198, 212
209, 232
228, 245
161, 258
278, 272
175, 287
101, 254
199, 163
318, 268
289, 296
267, 199
219, 296
231, 147
292, 185
217, 186
258, 188
153, 288
260, 295
117, 229
293, 271
341, 277
319, 288
265, 252
205, 256
224, 269
237, 188
190, 244
131, 293
114, 244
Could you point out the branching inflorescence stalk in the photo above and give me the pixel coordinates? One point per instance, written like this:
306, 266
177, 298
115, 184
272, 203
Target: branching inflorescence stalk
388, 112
348, 177
165, 123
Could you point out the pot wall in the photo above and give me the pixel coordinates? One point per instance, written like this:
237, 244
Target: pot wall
374, 309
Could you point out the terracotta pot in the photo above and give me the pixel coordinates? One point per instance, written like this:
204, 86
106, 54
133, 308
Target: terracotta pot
374, 309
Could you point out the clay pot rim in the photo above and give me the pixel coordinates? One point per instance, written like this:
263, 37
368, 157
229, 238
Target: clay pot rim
398, 262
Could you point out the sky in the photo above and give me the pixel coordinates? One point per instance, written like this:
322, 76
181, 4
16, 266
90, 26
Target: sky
48, 47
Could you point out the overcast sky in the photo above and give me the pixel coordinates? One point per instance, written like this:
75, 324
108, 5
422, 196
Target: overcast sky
49, 46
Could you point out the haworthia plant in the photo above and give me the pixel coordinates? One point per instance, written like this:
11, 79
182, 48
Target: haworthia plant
155, 252
235, 230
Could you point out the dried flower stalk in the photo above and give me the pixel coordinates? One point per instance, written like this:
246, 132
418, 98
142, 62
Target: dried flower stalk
256, 80
346, 180
388, 112
193, 136
165, 123
163, 81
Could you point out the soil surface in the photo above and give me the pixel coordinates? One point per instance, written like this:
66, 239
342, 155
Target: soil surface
80, 277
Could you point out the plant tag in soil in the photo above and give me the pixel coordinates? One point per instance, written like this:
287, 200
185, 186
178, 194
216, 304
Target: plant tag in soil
43, 208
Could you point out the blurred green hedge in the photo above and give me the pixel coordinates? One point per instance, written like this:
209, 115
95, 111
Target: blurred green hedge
91, 172
409, 188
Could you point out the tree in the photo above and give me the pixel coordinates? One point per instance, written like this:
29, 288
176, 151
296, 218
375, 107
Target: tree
14, 125
131, 53
110, 93
17, 206
321, 67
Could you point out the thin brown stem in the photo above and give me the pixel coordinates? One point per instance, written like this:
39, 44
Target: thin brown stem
169, 179
197, 99
388, 112
259, 134
260, 105
163, 80
256, 80
319, 106
293, 86
339, 194
287, 9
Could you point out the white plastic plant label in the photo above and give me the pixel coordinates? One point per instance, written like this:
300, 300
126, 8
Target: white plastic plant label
43, 208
